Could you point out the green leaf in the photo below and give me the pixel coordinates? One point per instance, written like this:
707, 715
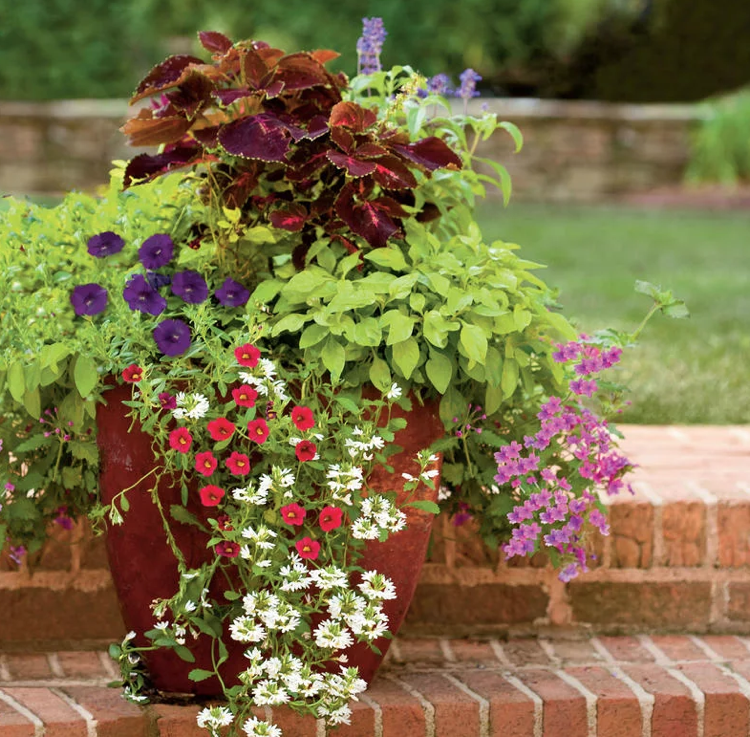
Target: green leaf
292, 323
436, 328
493, 398
85, 375
677, 310
390, 257
198, 674
400, 326
184, 654
266, 291
32, 402
424, 504
509, 380
439, 370
474, 341
312, 335
180, 514
380, 374
647, 288
334, 357
16, 381
515, 133
453, 404
406, 356
367, 332
34, 442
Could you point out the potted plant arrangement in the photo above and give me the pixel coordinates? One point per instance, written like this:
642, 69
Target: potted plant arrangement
252, 358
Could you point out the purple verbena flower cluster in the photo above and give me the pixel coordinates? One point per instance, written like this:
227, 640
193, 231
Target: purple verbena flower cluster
558, 470
370, 45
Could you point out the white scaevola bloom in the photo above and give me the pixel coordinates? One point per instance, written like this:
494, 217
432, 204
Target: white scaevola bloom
394, 392
330, 577
342, 715
245, 629
162, 626
445, 493
214, 717
270, 693
331, 634
255, 727
365, 529
193, 406
376, 586
189, 606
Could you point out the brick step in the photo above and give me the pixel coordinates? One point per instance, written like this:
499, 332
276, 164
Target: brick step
524, 687
678, 559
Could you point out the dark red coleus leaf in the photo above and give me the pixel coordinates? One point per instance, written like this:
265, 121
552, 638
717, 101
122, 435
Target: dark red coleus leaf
431, 153
369, 150
324, 55
300, 71
367, 219
192, 94
392, 173
263, 137
292, 217
242, 185
146, 131
254, 67
207, 137
147, 167
164, 75
214, 41
429, 212
352, 116
343, 138
353, 167
227, 97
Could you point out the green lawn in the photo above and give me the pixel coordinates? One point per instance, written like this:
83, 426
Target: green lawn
684, 371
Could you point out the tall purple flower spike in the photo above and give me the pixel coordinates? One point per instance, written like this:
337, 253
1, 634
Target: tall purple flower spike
369, 45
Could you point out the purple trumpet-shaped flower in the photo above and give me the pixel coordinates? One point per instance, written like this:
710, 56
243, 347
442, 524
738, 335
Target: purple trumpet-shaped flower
156, 251
105, 244
141, 296
172, 337
369, 45
88, 299
232, 293
190, 286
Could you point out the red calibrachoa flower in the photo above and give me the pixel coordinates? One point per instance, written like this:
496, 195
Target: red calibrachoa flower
307, 548
303, 419
244, 396
228, 549
224, 522
220, 429
330, 518
258, 430
293, 514
211, 495
238, 464
132, 374
180, 440
205, 463
305, 450
247, 355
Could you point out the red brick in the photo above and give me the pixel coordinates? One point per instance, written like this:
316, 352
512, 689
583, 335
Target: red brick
618, 713
726, 711
81, 664
473, 653
290, 722
511, 710
419, 650
13, 724
28, 666
626, 649
168, 720
678, 647
402, 713
456, 713
60, 720
575, 651
675, 713
684, 524
115, 717
738, 608
733, 527
667, 605
362, 722
726, 646
445, 605
525, 651
632, 532
564, 706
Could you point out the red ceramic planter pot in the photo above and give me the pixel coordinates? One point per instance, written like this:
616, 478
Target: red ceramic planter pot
143, 565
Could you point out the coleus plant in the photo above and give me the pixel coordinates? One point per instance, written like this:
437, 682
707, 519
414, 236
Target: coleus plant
282, 145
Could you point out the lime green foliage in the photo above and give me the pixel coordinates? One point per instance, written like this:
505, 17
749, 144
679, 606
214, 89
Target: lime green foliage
692, 371
51, 368
720, 150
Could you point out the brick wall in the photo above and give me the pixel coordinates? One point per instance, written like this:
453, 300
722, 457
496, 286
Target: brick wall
574, 151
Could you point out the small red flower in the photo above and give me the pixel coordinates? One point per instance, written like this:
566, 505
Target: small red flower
307, 548
247, 355
211, 495
180, 440
238, 464
330, 518
305, 450
132, 374
244, 396
205, 463
258, 430
228, 549
224, 522
293, 514
220, 428
303, 419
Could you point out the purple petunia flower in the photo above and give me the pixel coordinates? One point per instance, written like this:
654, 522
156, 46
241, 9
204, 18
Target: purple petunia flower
89, 299
232, 293
190, 286
157, 280
369, 45
105, 244
141, 296
172, 337
167, 400
468, 88
156, 251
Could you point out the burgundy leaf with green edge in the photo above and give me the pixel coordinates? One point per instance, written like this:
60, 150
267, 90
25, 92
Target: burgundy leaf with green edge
254, 67
207, 137
300, 71
353, 167
366, 219
164, 75
144, 167
227, 97
292, 217
368, 150
263, 137
431, 153
392, 173
145, 131
214, 41
352, 116
344, 139
192, 94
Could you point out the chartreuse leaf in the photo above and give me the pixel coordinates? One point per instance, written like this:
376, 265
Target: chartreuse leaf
198, 674
16, 381
266, 291
312, 335
439, 370
390, 257
380, 374
85, 375
400, 326
424, 504
334, 357
509, 380
493, 398
474, 341
406, 356
367, 332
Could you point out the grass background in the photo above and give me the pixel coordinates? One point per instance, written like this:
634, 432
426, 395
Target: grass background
683, 371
